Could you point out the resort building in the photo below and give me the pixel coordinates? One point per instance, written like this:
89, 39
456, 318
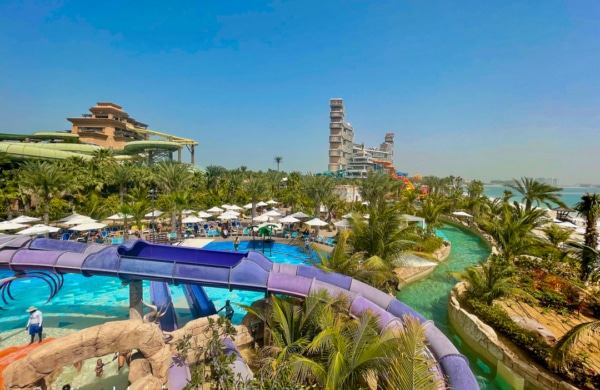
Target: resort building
107, 126
350, 159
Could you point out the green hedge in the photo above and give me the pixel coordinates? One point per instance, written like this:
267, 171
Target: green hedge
498, 319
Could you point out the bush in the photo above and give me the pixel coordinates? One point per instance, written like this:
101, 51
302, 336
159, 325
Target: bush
498, 319
428, 244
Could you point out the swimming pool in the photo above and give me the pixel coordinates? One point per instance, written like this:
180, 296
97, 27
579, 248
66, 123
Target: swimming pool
87, 301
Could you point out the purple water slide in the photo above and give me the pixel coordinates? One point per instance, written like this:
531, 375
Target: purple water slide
246, 271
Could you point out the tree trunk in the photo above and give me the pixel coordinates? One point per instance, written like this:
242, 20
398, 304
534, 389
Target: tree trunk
253, 211
47, 211
136, 293
173, 221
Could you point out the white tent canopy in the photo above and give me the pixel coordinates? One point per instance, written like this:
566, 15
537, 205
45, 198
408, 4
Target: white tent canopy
70, 217
271, 201
192, 219
261, 204
289, 219
7, 225
273, 213
38, 229
78, 220
300, 215
235, 207
262, 218
188, 212
231, 212
462, 214
347, 216
88, 226
24, 219
342, 224
226, 217
119, 217
215, 209
316, 222
248, 206
154, 213
204, 214
226, 206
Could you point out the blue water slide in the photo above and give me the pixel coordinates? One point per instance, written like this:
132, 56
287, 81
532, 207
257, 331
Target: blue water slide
161, 298
200, 304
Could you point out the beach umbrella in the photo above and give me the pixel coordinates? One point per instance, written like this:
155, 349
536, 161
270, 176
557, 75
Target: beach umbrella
70, 217
215, 210
204, 214
226, 217
235, 207
231, 212
261, 204
347, 216
154, 213
462, 214
7, 225
262, 218
343, 224
88, 226
271, 201
300, 215
38, 229
78, 220
273, 213
226, 206
192, 219
25, 219
316, 222
187, 212
366, 216
289, 219
248, 206
119, 217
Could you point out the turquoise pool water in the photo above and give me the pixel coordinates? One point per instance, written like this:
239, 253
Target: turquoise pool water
84, 301
430, 296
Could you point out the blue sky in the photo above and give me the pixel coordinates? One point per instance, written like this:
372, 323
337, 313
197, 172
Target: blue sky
487, 89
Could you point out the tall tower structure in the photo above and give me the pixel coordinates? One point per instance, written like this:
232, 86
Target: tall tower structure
341, 136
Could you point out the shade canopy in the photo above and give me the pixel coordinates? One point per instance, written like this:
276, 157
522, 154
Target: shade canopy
78, 220
347, 216
68, 218
300, 215
192, 219
226, 217
215, 210
262, 218
462, 214
204, 214
271, 201
248, 206
188, 212
88, 226
273, 213
7, 225
342, 224
225, 206
262, 204
289, 219
316, 222
154, 213
234, 207
39, 229
119, 217
231, 212
25, 219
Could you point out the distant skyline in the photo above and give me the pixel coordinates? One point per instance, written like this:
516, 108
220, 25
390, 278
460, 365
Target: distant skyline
489, 90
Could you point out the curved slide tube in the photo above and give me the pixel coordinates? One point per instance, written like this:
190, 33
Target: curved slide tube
179, 373
140, 260
11, 354
239, 367
200, 304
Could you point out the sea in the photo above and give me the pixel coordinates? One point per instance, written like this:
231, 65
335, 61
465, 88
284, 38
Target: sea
569, 195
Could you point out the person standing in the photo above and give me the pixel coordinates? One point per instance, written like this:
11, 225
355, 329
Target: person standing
236, 243
34, 324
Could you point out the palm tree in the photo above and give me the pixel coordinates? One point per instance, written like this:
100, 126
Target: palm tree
384, 234
375, 188
563, 349
373, 270
122, 175
255, 187
318, 189
488, 282
45, 181
278, 160
173, 178
589, 208
556, 235
537, 192
431, 210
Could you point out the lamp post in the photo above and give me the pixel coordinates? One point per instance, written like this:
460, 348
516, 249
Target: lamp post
152, 193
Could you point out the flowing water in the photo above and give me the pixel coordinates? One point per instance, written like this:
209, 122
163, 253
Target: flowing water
430, 295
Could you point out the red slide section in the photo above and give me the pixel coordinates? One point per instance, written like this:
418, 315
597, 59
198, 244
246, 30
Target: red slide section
11, 354
391, 171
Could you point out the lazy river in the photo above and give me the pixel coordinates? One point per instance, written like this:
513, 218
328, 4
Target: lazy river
430, 295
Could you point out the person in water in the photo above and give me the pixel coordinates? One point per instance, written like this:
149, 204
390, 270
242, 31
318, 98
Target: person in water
236, 243
228, 310
99, 368
34, 324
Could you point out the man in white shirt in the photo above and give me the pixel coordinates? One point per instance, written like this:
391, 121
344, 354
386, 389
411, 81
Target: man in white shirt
34, 324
